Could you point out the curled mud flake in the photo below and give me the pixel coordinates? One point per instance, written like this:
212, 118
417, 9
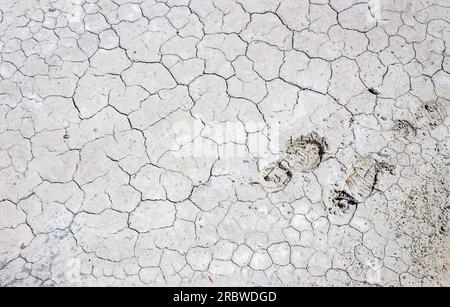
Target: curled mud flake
404, 129
361, 180
304, 153
275, 178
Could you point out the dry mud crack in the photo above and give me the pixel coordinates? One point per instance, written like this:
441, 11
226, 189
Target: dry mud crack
224, 142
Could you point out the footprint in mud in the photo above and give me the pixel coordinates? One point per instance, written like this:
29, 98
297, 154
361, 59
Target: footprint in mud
304, 153
360, 182
404, 129
431, 113
362, 179
275, 178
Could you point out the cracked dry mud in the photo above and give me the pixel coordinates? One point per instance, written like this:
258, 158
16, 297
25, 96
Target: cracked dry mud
224, 142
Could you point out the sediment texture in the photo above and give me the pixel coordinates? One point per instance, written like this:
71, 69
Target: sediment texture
224, 142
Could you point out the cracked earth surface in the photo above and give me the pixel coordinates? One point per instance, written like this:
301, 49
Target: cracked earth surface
224, 142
